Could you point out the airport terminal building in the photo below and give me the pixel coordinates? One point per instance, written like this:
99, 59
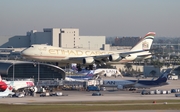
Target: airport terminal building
25, 69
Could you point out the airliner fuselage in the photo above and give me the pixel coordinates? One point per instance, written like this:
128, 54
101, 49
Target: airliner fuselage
48, 53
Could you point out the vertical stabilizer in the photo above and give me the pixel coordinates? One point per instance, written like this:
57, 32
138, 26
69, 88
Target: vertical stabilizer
163, 78
90, 73
7, 92
9, 89
145, 43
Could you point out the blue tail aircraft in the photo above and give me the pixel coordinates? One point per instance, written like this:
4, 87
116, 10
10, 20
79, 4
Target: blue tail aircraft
121, 84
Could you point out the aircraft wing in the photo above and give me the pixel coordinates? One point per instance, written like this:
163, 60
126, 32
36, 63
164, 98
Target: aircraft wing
144, 55
7, 48
124, 54
132, 52
98, 74
104, 58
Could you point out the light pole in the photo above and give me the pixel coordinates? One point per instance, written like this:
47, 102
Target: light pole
13, 70
163, 47
38, 71
14, 66
178, 46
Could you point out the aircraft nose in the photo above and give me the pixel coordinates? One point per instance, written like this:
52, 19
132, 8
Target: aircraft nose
22, 53
25, 53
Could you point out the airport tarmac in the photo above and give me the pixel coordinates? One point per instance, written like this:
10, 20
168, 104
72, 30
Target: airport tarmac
110, 94
86, 97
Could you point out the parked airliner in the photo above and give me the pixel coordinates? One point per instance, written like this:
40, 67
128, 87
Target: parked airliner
89, 76
16, 85
7, 92
47, 53
121, 84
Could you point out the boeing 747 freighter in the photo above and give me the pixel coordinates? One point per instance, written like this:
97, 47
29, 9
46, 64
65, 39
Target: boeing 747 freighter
46, 53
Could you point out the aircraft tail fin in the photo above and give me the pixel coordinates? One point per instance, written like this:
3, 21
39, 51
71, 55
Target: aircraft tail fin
9, 89
0, 78
163, 78
90, 73
145, 43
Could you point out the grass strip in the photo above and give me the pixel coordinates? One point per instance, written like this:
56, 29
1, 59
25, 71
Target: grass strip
93, 106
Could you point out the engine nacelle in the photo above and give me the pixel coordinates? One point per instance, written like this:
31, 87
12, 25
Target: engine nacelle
89, 60
115, 57
120, 87
107, 74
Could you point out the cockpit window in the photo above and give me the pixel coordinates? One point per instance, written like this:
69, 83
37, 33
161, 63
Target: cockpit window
31, 46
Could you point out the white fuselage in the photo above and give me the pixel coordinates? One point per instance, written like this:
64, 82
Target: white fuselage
20, 84
56, 54
76, 79
50, 53
116, 83
4, 94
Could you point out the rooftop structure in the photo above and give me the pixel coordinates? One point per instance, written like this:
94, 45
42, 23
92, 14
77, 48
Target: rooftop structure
25, 69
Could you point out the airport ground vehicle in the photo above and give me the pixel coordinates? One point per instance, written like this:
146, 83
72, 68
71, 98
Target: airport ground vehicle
103, 88
93, 88
145, 92
44, 94
175, 90
97, 94
132, 89
177, 95
173, 77
19, 95
56, 94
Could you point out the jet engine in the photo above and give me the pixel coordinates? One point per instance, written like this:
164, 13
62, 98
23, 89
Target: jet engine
120, 87
115, 57
89, 60
108, 75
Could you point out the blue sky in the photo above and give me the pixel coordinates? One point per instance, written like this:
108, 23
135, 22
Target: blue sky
92, 17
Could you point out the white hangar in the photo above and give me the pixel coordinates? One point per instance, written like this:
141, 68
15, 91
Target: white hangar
65, 37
